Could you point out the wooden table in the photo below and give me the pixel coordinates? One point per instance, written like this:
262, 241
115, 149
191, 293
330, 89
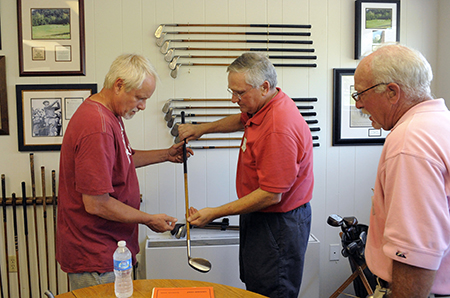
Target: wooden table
143, 288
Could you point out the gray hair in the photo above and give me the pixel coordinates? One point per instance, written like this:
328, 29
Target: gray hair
257, 69
405, 66
133, 69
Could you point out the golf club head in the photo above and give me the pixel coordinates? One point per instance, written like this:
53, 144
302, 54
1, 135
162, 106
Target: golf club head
199, 264
160, 40
179, 231
166, 106
350, 221
173, 63
174, 130
165, 47
174, 72
171, 121
159, 31
169, 55
335, 220
363, 237
168, 115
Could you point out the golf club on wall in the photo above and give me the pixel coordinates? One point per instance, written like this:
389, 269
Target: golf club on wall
174, 61
25, 226
170, 101
199, 264
169, 52
171, 121
170, 111
159, 30
174, 129
166, 44
5, 231
174, 72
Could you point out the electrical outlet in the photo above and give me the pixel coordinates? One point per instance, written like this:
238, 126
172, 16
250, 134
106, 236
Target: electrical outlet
12, 264
334, 252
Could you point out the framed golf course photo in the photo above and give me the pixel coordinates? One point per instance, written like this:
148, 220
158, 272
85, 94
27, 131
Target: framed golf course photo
376, 22
51, 37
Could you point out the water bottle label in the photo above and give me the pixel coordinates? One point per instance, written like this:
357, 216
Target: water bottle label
122, 265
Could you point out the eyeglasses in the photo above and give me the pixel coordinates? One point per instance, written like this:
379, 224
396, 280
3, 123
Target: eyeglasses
238, 94
356, 95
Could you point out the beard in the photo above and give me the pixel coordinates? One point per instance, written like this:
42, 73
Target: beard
130, 114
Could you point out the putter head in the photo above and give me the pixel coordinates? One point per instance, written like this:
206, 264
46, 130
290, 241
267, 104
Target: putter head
165, 47
159, 31
168, 115
173, 63
169, 55
160, 40
166, 105
174, 72
335, 220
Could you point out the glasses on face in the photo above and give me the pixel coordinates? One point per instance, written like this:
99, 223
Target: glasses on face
238, 94
356, 95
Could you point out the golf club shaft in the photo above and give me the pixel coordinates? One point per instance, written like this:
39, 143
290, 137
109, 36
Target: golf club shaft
33, 192
281, 41
169, 52
54, 225
5, 227
234, 57
25, 225
16, 242
186, 191
44, 206
260, 33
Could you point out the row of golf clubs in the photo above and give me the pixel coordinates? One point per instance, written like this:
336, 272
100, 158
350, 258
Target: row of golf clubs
173, 61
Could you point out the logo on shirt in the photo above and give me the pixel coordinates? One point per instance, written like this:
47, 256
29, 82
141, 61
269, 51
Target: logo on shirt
244, 145
401, 254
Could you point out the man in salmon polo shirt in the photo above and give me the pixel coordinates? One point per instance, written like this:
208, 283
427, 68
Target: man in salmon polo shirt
409, 233
99, 197
274, 179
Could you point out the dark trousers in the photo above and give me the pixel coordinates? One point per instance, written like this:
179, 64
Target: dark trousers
272, 251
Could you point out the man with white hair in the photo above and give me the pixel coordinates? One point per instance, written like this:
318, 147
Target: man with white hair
409, 233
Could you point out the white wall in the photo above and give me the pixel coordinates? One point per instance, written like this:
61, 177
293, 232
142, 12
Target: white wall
344, 175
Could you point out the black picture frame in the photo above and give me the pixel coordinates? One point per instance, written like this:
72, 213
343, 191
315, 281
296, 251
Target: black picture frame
4, 121
45, 54
350, 126
376, 22
44, 111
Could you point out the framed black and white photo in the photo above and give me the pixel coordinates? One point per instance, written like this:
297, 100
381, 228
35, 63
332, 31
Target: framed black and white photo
44, 111
376, 22
51, 37
4, 122
350, 125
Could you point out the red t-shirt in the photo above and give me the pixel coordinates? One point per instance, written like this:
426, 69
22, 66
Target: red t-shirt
276, 154
96, 158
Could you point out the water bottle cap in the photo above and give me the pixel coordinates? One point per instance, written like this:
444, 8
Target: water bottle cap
122, 243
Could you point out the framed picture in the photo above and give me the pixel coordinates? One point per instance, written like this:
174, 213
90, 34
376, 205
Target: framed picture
43, 112
4, 127
350, 125
51, 37
376, 22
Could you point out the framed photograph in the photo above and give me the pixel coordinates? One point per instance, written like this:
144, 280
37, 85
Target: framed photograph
51, 37
44, 111
4, 124
350, 125
376, 22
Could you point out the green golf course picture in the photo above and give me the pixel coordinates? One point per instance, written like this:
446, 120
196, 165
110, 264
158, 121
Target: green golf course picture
378, 18
50, 23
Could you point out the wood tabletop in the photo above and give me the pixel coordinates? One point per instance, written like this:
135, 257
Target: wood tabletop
144, 287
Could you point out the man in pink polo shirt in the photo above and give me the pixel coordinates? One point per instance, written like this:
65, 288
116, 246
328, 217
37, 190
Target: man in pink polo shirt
409, 232
274, 179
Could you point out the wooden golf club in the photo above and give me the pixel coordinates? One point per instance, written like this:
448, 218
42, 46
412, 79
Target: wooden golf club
54, 224
175, 59
199, 264
16, 242
170, 111
168, 106
174, 129
169, 52
171, 121
25, 226
5, 227
165, 46
44, 206
174, 72
161, 27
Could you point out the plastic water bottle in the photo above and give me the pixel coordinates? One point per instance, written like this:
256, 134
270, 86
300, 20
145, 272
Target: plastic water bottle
123, 284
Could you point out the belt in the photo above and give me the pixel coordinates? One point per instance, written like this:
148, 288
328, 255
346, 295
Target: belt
438, 295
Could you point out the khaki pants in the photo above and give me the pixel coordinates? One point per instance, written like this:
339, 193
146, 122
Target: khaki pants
380, 292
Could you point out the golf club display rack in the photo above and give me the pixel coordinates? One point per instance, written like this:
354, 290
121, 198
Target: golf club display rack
29, 268
286, 45
201, 110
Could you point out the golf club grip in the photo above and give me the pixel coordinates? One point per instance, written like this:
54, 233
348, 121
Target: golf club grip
24, 205
33, 180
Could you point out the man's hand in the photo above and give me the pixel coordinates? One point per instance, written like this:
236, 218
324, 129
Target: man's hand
175, 153
189, 132
201, 217
161, 222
